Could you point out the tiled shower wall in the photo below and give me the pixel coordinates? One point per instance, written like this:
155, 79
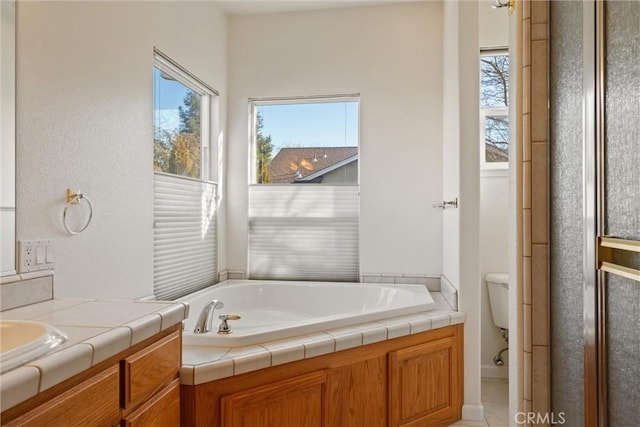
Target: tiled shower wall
535, 205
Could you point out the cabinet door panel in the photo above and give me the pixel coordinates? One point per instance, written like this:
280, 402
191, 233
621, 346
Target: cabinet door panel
358, 394
426, 385
94, 402
299, 401
151, 369
163, 409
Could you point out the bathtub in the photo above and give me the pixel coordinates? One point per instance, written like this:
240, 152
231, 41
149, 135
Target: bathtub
272, 310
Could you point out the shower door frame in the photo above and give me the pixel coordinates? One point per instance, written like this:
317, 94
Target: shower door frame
595, 391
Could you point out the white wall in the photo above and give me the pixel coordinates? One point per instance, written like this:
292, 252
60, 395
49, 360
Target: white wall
493, 25
7, 136
392, 56
461, 242
451, 144
494, 208
84, 121
469, 200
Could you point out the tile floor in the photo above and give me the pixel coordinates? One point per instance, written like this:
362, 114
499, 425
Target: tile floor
495, 399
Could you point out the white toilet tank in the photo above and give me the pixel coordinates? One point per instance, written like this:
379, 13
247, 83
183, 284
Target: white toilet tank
498, 286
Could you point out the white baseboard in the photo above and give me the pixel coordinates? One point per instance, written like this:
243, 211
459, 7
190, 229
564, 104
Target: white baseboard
492, 371
472, 412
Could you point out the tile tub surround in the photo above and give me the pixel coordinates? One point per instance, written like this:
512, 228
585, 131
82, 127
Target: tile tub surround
97, 330
275, 310
201, 364
431, 282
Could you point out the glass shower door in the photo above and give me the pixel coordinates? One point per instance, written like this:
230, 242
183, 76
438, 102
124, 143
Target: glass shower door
621, 210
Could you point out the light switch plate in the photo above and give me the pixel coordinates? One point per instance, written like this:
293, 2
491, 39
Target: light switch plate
36, 255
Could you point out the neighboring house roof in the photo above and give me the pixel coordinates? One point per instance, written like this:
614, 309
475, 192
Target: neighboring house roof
494, 154
305, 163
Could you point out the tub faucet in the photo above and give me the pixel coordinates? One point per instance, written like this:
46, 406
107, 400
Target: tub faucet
205, 320
224, 328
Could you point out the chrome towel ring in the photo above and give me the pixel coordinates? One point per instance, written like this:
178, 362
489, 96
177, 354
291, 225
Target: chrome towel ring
74, 198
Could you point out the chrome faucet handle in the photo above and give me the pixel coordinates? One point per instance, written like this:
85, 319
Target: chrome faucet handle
205, 320
224, 328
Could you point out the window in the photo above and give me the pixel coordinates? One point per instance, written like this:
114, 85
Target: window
494, 109
306, 141
297, 231
181, 119
185, 235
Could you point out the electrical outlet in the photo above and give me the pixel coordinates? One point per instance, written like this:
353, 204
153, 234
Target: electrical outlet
36, 255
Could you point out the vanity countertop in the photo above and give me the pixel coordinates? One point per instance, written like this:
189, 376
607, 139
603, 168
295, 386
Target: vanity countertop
96, 330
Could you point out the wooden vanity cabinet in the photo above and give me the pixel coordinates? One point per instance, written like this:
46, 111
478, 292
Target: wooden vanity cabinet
298, 401
150, 394
138, 387
163, 409
424, 384
92, 402
150, 369
415, 380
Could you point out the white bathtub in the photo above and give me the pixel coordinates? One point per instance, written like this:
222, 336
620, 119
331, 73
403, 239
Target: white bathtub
272, 310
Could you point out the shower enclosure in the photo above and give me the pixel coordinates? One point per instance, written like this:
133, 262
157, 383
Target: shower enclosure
595, 211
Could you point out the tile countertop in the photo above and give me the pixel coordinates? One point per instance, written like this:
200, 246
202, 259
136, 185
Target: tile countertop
97, 330
201, 364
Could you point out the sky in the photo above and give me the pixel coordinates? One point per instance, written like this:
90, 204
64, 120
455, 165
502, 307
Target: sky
168, 95
323, 124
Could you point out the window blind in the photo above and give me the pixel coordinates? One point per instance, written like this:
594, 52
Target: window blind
185, 237
304, 232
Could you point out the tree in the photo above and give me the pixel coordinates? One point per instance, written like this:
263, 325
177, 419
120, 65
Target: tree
494, 96
187, 149
178, 151
162, 148
497, 131
190, 113
264, 150
185, 157
494, 81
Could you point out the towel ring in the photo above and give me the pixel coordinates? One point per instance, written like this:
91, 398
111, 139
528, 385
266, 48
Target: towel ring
73, 199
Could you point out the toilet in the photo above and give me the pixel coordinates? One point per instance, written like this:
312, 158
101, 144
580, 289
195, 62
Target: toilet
498, 287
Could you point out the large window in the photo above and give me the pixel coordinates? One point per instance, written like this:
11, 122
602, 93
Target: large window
304, 141
494, 109
298, 231
185, 237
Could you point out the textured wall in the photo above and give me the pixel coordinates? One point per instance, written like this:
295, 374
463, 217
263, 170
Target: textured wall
566, 291
84, 120
7, 136
389, 54
622, 218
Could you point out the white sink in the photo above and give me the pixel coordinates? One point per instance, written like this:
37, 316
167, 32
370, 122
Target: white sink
23, 341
